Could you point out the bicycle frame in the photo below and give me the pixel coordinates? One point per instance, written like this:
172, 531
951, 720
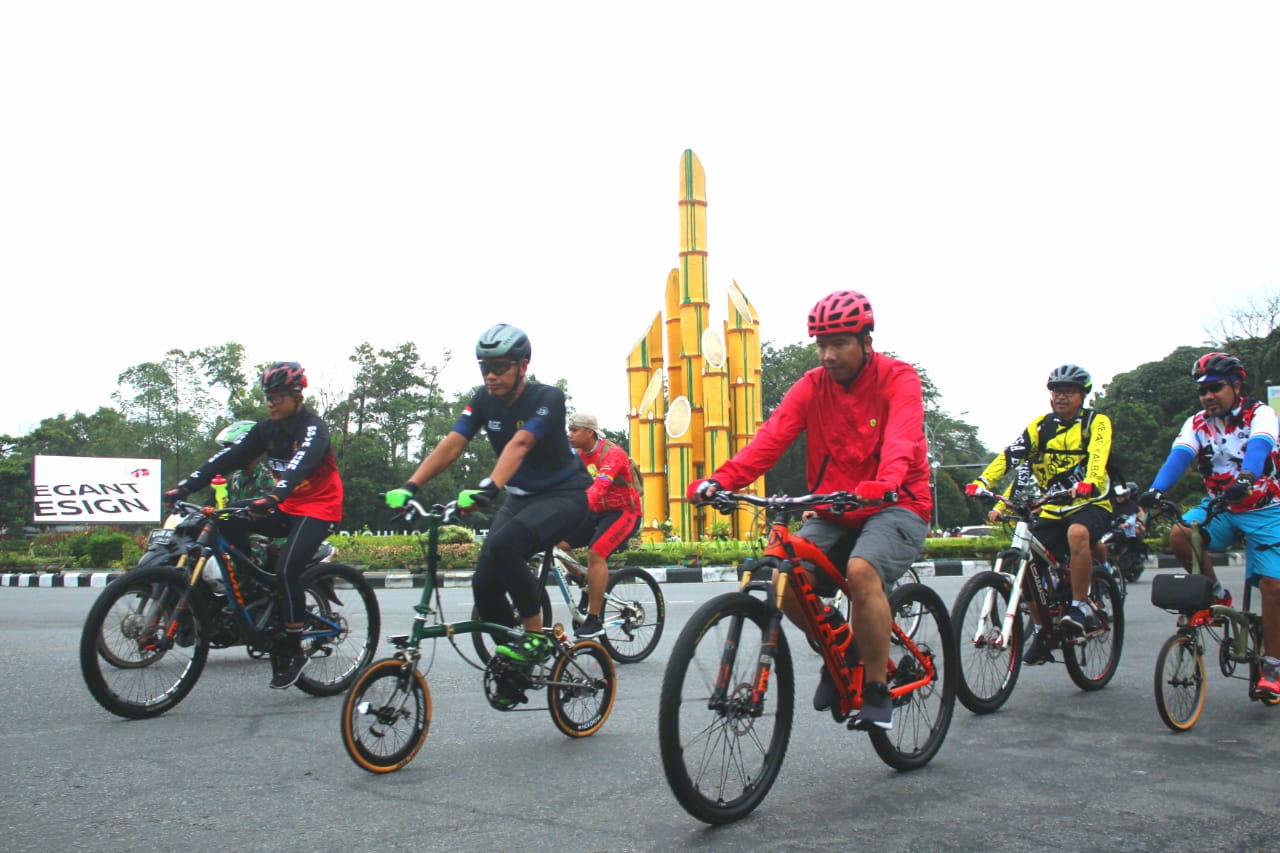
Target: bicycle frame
213, 546
1031, 554
783, 553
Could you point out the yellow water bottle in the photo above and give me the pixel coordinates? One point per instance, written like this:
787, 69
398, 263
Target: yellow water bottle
219, 484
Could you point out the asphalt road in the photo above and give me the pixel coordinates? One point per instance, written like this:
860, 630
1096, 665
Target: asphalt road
237, 766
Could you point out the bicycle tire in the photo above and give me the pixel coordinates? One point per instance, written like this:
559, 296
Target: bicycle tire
1179, 682
126, 671
1092, 663
337, 594
987, 669
386, 716
582, 689
634, 615
1131, 564
922, 717
700, 744
485, 643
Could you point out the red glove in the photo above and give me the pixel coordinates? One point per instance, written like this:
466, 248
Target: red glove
875, 490
1082, 490
699, 491
972, 489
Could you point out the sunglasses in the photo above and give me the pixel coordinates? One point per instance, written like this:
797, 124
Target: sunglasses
1210, 388
276, 399
1065, 389
497, 368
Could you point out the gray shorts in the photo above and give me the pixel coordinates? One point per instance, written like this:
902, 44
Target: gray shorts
890, 540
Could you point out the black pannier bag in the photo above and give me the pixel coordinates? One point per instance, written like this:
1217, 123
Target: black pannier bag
1181, 592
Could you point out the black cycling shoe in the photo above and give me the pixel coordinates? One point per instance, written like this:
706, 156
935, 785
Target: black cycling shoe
290, 670
826, 692
877, 708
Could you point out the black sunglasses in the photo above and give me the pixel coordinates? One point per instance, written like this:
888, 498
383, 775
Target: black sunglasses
1065, 389
1210, 388
497, 368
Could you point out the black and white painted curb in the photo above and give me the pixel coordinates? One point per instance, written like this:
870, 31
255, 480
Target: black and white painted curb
454, 578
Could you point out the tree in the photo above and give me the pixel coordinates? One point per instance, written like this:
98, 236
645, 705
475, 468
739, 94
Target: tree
171, 404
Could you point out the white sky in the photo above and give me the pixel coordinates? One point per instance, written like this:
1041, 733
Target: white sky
1014, 185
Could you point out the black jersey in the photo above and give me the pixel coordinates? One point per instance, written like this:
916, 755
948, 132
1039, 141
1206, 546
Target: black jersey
299, 458
539, 409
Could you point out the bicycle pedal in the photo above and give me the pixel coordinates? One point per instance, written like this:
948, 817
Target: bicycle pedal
400, 641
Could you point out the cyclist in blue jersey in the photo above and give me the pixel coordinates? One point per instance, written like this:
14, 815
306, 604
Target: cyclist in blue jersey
545, 483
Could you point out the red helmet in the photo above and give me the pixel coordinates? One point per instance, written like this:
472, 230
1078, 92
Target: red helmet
284, 376
1217, 365
845, 312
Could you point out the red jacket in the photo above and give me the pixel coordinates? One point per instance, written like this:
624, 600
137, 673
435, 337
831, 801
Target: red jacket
872, 429
611, 487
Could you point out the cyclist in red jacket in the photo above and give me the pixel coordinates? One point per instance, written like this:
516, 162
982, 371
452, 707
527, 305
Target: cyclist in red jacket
613, 516
863, 415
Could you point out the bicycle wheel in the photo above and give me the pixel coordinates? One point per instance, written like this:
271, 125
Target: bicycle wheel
721, 744
1092, 662
634, 615
988, 668
1131, 564
922, 716
484, 642
128, 663
386, 715
582, 689
1179, 682
340, 634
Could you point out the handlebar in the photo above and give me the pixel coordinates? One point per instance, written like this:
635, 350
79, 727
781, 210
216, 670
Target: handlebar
446, 513
838, 502
1024, 509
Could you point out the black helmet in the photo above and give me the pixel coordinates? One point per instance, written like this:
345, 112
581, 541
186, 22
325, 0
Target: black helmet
1217, 365
1070, 374
503, 341
284, 376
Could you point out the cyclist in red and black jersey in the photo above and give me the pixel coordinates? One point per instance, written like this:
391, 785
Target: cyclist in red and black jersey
303, 507
863, 415
614, 512
546, 484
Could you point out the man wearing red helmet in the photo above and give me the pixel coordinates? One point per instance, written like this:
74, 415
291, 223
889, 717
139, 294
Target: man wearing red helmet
863, 416
1234, 440
303, 506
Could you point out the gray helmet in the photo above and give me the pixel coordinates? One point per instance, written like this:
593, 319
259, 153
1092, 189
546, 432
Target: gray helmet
231, 434
1070, 374
503, 341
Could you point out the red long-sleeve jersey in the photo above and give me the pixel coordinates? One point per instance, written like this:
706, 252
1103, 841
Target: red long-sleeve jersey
871, 429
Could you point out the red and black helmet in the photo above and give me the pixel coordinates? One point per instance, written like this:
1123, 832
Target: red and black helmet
284, 376
845, 312
1217, 365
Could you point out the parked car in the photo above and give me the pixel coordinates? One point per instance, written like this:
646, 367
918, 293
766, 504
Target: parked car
977, 530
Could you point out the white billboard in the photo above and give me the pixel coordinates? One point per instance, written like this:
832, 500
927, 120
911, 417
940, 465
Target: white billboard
92, 490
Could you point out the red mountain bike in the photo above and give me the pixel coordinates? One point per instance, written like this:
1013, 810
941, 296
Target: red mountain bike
728, 696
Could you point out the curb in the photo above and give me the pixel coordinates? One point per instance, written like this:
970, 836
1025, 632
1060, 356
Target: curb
662, 574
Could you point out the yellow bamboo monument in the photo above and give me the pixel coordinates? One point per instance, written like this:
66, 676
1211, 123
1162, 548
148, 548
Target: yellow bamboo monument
742, 346
646, 421
709, 405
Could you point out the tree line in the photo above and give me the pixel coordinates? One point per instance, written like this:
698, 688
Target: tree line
172, 408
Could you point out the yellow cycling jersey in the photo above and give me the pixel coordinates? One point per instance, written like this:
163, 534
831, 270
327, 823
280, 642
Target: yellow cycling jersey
1061, 455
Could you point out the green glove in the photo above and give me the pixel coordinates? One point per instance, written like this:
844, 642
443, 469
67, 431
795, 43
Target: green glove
397, 498
478, 498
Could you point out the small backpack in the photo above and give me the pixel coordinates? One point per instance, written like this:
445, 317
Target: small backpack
1049, 428
637, 479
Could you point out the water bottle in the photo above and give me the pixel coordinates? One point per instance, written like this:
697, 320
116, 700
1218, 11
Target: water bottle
839, 627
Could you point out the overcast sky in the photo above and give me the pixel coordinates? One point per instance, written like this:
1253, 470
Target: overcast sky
1014, 185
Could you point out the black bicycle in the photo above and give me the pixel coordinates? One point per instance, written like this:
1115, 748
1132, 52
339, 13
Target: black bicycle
146, 639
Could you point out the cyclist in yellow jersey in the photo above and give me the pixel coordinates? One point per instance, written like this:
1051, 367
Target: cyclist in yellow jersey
1067, 448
